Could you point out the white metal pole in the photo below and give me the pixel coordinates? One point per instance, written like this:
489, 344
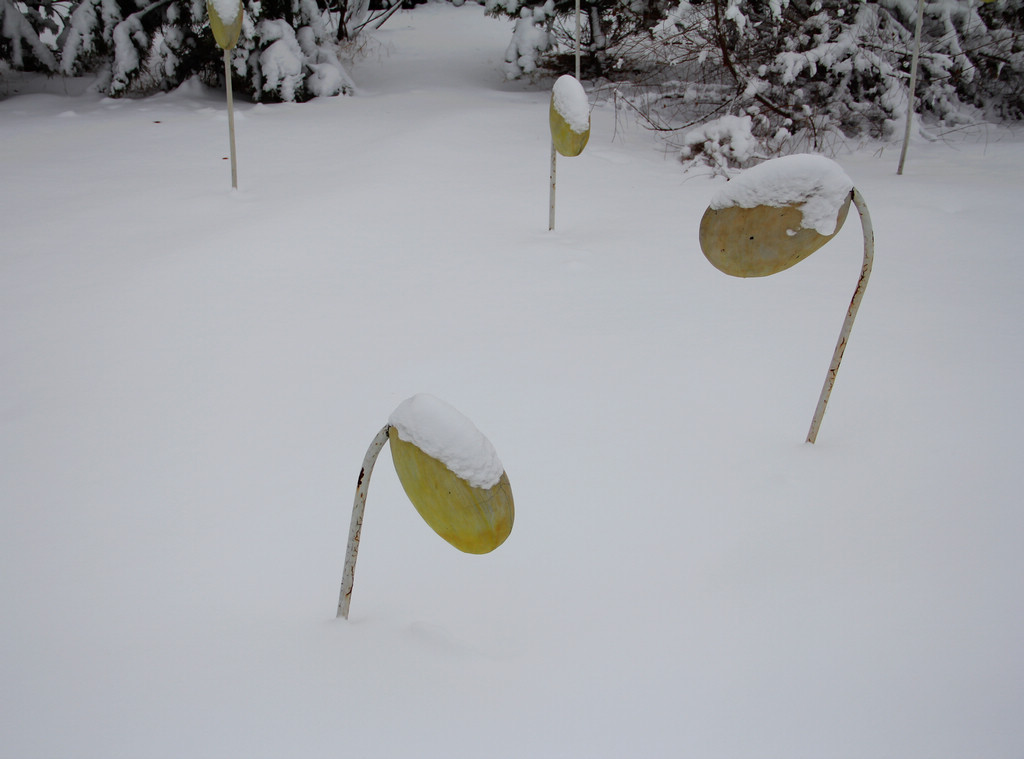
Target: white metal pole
358, 507
577, 40
913, 84
551, 208
231, 118
844, 335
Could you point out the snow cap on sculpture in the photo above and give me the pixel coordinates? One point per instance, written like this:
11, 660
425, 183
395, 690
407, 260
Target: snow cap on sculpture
443, 433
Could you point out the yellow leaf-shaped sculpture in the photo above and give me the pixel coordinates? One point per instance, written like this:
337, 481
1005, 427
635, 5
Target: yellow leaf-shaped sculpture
472, 519
225, 31
569, 116
775, 214
759, 241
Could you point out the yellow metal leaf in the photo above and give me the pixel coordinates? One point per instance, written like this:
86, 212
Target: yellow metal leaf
567, 141
472, 519
226, 34
758, 241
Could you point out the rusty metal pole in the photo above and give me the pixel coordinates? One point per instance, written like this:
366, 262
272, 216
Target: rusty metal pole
844, 335
358, 507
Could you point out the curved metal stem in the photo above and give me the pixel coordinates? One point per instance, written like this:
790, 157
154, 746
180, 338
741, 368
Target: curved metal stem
358, 507
844, 335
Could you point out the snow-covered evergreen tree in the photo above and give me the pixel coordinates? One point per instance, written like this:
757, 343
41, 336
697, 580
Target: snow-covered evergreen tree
531, 35
816, 70
549, 26
288, 49
742, 79
21, 25
135, 45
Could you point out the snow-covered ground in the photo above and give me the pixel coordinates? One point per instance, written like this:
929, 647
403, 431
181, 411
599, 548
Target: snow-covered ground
190, 376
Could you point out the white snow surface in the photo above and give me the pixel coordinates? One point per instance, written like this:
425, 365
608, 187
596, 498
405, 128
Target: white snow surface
190, 376
814, 183
570, 100
227, 10
441, 431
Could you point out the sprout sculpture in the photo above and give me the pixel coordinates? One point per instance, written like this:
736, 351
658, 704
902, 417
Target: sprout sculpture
776, 214
226, 25
569, 116
449, 471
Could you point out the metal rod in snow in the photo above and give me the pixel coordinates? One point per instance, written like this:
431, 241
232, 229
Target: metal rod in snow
577, 40
911, 96
356, 527
844, 335
231, 118
551, 207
